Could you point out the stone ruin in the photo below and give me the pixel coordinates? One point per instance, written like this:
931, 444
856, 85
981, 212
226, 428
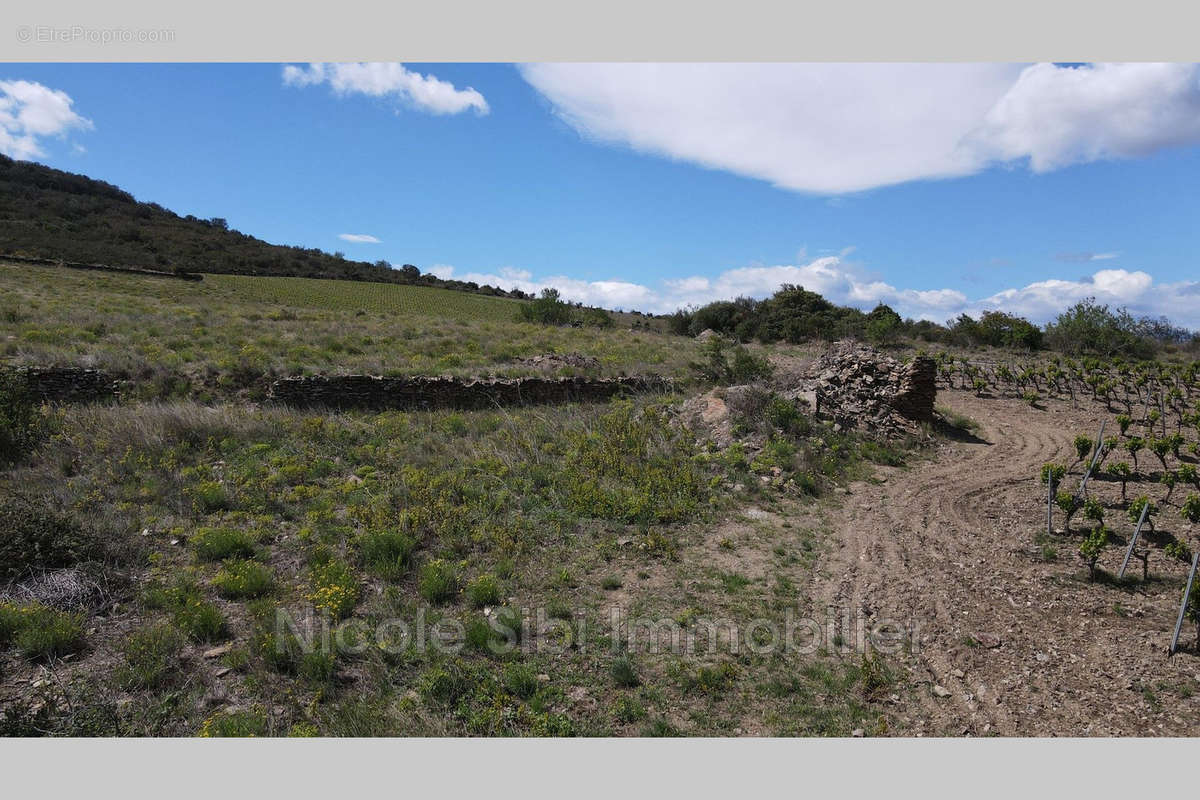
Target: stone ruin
853, 385
858, 386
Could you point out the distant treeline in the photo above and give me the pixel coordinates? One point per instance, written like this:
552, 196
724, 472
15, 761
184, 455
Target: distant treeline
794, 314
49, 213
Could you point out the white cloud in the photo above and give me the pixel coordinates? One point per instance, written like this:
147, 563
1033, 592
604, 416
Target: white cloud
844, 284
1082, 258
30, 111
1058, 116
388, 79
360, 238
837, 128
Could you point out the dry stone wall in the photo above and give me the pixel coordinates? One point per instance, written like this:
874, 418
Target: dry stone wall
371, 392
67, 384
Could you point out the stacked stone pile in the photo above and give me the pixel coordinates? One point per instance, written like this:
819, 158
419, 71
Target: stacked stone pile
860, 387
555, 361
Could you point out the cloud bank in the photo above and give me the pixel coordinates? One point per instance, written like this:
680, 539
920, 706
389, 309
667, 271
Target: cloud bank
840, 128
30, 112
388, 79
844, 284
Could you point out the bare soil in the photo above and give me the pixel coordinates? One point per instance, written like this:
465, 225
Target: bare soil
1012, 642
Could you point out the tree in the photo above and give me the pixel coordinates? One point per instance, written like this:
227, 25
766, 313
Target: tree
549, 309
883, 324
1089, 327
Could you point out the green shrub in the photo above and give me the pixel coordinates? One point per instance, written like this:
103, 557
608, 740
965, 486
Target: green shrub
548, 309
1092, 548
1083, 446
1070, 503
1133, 445
1178, 550
201, 620
283, 651
660, 728
209, 496
1135, 510
726, 363
386, 553
317, 667
444, 686
151, 658
239, 579
777, 453
714, 679
1187, 474
41, 632
484, 591
10, 622
597, 317
623, 673
632, 467
34, 537
747, 367
786, 416
22, 424
521, 681
1053, 472
334, 587
218, 544
629, 709
234, 724
438, 581
1190, 510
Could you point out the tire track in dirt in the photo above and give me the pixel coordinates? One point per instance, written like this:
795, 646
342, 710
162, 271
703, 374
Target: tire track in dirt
948, 543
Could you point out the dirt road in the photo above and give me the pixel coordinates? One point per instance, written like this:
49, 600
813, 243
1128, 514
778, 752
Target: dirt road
1014, 639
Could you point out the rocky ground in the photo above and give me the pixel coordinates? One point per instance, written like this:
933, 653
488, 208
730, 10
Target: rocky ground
1014, 639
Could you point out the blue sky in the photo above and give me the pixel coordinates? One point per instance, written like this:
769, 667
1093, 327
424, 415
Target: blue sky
935, 188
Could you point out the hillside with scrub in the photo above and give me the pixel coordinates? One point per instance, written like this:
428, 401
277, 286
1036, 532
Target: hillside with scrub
231, 334
192, 557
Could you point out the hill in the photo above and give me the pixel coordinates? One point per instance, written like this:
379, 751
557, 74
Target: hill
230, 332
49, 213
